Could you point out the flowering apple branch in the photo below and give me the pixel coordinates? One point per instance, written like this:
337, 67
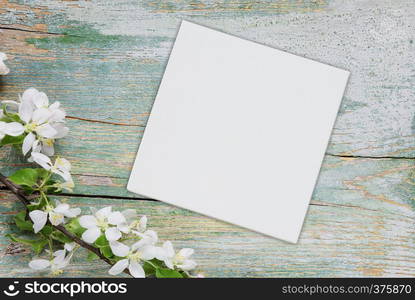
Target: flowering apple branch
120, 238
19, 193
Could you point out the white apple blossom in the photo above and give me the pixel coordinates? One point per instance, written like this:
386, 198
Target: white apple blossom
103, 220
147, 237
133, 256
180, 260
67, 185
131, 222
43, 122
56, 215
12, 129
69, 246
62, 167
59, 261
4, 70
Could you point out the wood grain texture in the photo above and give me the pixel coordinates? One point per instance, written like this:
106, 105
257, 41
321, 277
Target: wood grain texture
103, 60
336, 240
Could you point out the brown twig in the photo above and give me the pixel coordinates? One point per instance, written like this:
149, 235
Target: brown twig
18, 192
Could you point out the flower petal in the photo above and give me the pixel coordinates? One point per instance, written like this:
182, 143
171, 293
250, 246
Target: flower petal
39, 219
28, 143
187, 265
36, 147
186, 252
59, 254
42, 160
40, 99
46, 130
88, 221
55, 105
61, 208
124, 228
168, 246
91, 235
4, 70
41, 115
112, 234
47, 148
116, 218
57, 115
143, 223
147, 238
3, 56
39, 264
13, 129
56, 218
26, 105
104, 212
118, 267
61, 129
159, 253
64, 174
69, 246
119, 249
149, 252
169, 263
69, 185
136, 270
72, 212
139, 244
62, 164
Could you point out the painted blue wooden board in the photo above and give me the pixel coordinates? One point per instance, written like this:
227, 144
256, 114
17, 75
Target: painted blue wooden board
103, 60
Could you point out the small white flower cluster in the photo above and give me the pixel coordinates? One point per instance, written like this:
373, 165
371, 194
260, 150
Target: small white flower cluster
125, 226
58, 261
40, 122
55, 213
119, 228
36, 124
4, 70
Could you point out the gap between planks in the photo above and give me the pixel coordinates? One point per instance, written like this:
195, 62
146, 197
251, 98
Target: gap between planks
122, 198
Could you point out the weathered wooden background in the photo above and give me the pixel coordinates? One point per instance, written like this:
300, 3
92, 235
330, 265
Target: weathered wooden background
104, 60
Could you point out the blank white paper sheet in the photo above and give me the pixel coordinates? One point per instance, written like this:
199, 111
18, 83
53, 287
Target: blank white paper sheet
238, 131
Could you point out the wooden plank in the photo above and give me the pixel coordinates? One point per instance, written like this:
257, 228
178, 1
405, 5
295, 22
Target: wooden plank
382, 184
336, 241
128, 45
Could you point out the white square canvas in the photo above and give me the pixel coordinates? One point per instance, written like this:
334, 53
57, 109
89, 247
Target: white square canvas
238, 131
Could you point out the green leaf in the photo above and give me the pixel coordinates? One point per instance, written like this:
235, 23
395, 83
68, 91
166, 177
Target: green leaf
91, 256
101, 241
39, 205
37, 245
26, 177
103, 246
12, 140
42, 173
9, 117
47, 230
13, 117
74, 227
60, 237
106, 251
22, 223
149, 269
167, 273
